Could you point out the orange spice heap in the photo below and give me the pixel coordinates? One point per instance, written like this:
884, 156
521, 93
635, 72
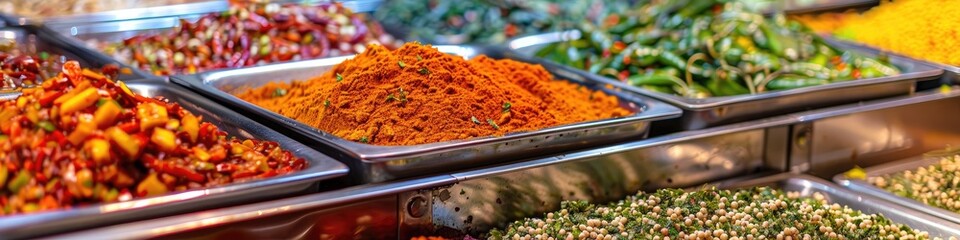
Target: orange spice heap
417, 95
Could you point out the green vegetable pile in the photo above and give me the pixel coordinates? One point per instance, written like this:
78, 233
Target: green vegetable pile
709, 48
487, 21
935, 185
757, 213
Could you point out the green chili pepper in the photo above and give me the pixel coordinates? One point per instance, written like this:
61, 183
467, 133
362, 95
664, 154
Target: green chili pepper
787, 82
653, 79
46, 125
819, 59
696, 7
22, 178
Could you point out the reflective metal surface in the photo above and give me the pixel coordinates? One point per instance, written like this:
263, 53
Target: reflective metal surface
187, 8
488, 198
808, 185
371, 163
320, 168
861, 186
39, 39
903, 128
715, 111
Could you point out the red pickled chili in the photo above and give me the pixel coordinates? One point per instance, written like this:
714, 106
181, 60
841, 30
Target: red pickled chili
82, 138
20, 69
252, 34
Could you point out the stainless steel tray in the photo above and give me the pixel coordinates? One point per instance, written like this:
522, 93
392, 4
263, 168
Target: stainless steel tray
807, 185
44, 39
187, 8
714, 111
861, 186
320, 168
381, 163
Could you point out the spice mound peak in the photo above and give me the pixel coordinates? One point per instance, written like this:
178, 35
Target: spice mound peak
417, 95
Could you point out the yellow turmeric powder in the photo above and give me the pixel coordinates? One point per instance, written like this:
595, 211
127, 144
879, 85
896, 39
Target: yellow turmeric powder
417, 95
924, 29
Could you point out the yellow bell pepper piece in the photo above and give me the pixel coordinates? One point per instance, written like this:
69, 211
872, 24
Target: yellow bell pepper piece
106, 115
201, 154
82, 100
164, 138
83, 130
123, 140
151, 115
191, 125
99, 150
151, 186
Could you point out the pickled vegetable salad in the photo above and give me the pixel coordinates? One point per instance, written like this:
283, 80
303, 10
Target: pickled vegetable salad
83, 139
710, 48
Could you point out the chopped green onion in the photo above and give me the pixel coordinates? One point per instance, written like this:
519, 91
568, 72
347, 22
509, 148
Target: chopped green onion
493, 124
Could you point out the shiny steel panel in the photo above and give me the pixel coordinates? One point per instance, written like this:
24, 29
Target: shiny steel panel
371, 163
714, 111
861, 186
320, 168
175, 10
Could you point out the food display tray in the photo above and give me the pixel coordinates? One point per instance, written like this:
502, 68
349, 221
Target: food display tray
176, 10
320, 167
714, 111
865, 188
44, 39
807, 185
370, 163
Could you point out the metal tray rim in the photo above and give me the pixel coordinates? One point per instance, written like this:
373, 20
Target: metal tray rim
712, 102
321, 167
892, 167
651, 110
200, 7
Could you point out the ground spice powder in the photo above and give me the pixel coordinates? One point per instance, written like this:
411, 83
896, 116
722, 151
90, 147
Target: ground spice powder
417, 95
925, 29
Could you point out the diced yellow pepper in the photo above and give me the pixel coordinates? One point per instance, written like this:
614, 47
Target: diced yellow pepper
21, 102
106, 115
123, 86
164, 138
82, 100
201, 154
191, 125
123, 140
151, 115
99, 150
91, 74
172, 124
151, 186
83, 130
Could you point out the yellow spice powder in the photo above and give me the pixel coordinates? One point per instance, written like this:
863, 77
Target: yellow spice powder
925, 29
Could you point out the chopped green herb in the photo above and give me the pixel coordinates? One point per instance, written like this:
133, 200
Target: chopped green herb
474, 119
419, 58
46, 125
402, 65
364, 140
493, 124
403, 95
326, 103
506, 106
279, 92
391, 97
339, 77
101, 102
44, 55
424, 71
